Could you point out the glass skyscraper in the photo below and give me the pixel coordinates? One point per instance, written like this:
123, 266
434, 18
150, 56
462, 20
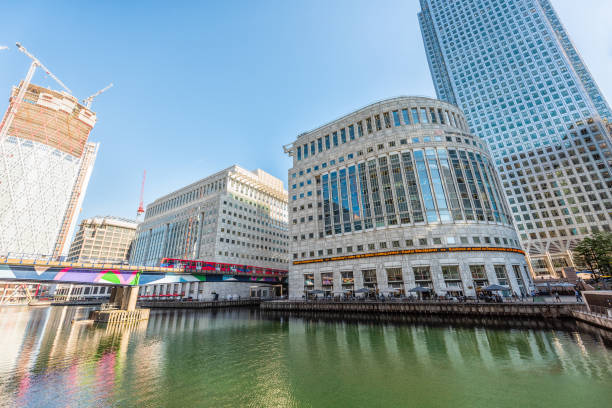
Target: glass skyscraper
511, 67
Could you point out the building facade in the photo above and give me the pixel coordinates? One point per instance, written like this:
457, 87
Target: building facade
397, 195
103, 239
511, 67
45, 166
234, 216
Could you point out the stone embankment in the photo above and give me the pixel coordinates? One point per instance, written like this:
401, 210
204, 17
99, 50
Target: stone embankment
211, 304
522, 309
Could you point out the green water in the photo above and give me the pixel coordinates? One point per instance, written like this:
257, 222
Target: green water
241, 357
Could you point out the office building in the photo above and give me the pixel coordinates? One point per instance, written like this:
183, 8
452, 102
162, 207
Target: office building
103, 239
511, 67
399, 195
45, 167
234, 216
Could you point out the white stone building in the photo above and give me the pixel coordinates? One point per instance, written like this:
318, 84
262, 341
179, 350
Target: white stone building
234, 216
397, 195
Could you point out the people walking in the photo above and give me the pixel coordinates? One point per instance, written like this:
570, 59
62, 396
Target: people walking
557, 297
578, 296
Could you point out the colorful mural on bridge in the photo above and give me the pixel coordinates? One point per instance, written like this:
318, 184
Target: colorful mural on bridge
42, 273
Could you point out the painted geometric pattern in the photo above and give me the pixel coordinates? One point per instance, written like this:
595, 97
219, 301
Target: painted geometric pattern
41, 273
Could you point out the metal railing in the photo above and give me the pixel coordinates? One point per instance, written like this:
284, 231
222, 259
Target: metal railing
601, 310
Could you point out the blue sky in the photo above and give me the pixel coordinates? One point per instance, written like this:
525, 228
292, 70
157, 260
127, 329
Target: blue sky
200, 86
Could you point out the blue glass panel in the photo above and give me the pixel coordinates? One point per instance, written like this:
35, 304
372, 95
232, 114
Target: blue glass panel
354, 198
396, 119
365, 197
428, 199
335, 203
346, 211
405, 116
438, 187
326, 204
415, 115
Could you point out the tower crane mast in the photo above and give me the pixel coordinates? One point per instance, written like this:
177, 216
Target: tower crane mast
88, 100
14, 106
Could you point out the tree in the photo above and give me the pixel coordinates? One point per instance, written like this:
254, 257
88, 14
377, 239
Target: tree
595, 253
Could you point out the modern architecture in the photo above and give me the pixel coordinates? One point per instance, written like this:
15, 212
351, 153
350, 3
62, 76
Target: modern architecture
511, 67
395, 196
45, 166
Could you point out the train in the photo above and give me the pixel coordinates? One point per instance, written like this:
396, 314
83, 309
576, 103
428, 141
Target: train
194, 266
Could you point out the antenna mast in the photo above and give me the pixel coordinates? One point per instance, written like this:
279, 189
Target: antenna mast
141, 210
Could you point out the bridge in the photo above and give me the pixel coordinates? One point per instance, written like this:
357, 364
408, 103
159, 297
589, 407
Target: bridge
46, 270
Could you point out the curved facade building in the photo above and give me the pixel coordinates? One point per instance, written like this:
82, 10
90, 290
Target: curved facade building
397, 195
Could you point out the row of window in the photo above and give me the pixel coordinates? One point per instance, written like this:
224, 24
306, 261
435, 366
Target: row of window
433, 185
379, 147
449, 278
406, 116
409, 243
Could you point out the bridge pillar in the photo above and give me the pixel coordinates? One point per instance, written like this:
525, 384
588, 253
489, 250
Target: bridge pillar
124, 297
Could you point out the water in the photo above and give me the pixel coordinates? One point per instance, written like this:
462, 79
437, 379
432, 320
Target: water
233, 358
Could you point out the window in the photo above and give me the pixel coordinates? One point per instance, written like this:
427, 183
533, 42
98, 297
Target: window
424, 115
422, 275
395, 278
501, 274
396, 119
479, 275
415, 115
405, 116
369, 278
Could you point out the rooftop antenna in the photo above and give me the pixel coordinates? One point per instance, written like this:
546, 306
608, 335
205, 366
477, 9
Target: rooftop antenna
141, 210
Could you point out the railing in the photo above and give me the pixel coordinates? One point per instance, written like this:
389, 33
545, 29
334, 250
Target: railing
601, 310
48, 260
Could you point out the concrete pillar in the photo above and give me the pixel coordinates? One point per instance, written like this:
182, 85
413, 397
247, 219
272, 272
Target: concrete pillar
117, 293
129, 299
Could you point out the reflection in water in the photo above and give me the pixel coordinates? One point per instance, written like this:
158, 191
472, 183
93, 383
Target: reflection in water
247, 358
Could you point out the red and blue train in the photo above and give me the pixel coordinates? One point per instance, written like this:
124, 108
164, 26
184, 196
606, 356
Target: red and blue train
221, 268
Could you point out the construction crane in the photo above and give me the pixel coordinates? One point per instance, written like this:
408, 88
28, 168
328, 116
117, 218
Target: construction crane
87, 101
14, 106
141, 210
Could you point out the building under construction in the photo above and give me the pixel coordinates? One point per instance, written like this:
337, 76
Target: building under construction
45, 166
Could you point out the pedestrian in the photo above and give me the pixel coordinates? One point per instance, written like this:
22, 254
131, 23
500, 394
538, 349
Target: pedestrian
557, 297
578, 296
